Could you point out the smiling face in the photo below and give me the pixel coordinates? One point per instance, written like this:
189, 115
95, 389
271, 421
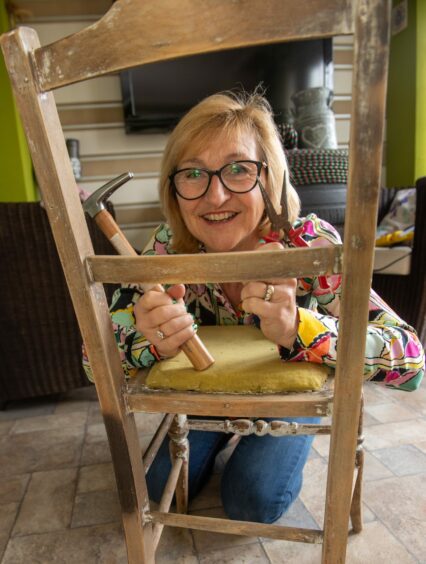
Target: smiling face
222, 220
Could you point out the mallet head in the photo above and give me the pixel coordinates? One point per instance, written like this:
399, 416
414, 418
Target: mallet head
95, 202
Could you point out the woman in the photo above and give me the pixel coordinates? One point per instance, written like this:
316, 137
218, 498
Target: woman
209, 190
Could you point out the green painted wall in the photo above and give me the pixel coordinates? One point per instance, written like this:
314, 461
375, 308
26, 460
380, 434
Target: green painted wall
17, 182
420, 161
406, 108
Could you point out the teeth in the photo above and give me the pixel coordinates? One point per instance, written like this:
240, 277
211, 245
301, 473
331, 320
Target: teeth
218, 216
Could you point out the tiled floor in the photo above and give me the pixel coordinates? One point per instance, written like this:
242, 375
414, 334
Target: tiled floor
58, 502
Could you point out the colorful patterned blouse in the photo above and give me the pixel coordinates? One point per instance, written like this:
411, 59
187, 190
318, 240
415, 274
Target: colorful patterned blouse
394, 355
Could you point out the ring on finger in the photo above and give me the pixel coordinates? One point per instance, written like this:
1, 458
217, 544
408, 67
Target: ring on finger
160, 334
269, 292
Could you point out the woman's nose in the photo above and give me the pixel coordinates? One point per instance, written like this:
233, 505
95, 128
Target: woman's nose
217, 193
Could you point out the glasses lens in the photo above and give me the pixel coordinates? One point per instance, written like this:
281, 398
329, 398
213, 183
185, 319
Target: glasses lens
240, 176
191, 183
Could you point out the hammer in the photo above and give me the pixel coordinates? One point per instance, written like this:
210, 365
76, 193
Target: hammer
194, 349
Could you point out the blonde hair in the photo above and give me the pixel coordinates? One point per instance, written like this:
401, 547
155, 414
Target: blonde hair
230, 114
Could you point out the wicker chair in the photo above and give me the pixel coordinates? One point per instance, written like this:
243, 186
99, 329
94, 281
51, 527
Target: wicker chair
40, 342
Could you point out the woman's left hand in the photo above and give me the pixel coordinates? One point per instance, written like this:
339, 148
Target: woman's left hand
279, 318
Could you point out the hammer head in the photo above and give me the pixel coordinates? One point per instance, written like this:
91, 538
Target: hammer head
95, 202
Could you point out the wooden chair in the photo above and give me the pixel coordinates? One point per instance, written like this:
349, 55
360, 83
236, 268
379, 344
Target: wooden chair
133, 33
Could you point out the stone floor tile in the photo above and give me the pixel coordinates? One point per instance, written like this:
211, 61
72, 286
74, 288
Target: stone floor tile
297, 516
375, 394
175, 544
392, 411
421, 445
74, 406
7, 518
41, 450
400, 503
284, 552
95, 414
13, 489
103, 544
314, 491
96, 432
393, 434
374, 544
97, 477
403, 460
416, 401
95, 508
374, 469
368, 419
47, 505
33, 407
206, 541
209, 496
147, 423
321, 445
5, 426
72, 423
250, 554
95, 452
173, 559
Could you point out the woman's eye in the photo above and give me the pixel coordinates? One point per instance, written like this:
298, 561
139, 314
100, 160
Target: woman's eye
236, 168
193, 173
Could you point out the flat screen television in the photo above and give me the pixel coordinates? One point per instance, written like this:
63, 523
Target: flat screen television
157, 95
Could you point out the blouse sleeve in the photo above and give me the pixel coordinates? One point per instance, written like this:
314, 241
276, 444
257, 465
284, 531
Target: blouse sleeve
394, 355
135, 350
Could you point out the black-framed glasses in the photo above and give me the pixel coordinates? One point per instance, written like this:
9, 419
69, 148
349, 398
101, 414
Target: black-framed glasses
237, 176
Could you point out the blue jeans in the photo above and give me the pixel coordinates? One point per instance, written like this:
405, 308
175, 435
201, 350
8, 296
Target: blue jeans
261, 479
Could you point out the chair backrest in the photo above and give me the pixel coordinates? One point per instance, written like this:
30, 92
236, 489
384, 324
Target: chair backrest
135, 32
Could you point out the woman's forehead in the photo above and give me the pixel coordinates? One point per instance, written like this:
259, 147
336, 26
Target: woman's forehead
232, 142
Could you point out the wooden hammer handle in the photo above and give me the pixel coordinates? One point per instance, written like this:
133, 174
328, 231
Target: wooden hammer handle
194, 348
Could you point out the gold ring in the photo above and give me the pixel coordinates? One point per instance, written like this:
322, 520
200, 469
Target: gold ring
160, 334
269, 292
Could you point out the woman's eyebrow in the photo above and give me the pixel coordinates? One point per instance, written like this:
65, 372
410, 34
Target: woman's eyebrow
228, 158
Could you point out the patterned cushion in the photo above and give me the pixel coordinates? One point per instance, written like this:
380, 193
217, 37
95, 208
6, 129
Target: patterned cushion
245, 362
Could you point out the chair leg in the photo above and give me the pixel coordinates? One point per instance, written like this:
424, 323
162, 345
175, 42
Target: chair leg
356, 505
179, 448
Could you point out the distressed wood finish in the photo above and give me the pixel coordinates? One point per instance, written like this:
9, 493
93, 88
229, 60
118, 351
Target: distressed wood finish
245, 528
259, 427
179, 449
50, 157
216, 267
315, 404
134, 32
372, 22
167, 497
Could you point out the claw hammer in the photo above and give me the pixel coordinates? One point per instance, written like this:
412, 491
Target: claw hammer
194, 348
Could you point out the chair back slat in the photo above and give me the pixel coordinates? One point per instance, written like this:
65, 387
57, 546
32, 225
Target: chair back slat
134, 32
216, 267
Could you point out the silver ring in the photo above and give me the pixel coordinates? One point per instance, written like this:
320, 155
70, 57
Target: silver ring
160, 334
269, 292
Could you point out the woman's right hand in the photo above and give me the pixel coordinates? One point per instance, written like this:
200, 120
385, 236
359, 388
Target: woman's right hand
162, 318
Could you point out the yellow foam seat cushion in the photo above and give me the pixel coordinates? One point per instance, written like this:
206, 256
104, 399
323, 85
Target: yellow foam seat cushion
245, 362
